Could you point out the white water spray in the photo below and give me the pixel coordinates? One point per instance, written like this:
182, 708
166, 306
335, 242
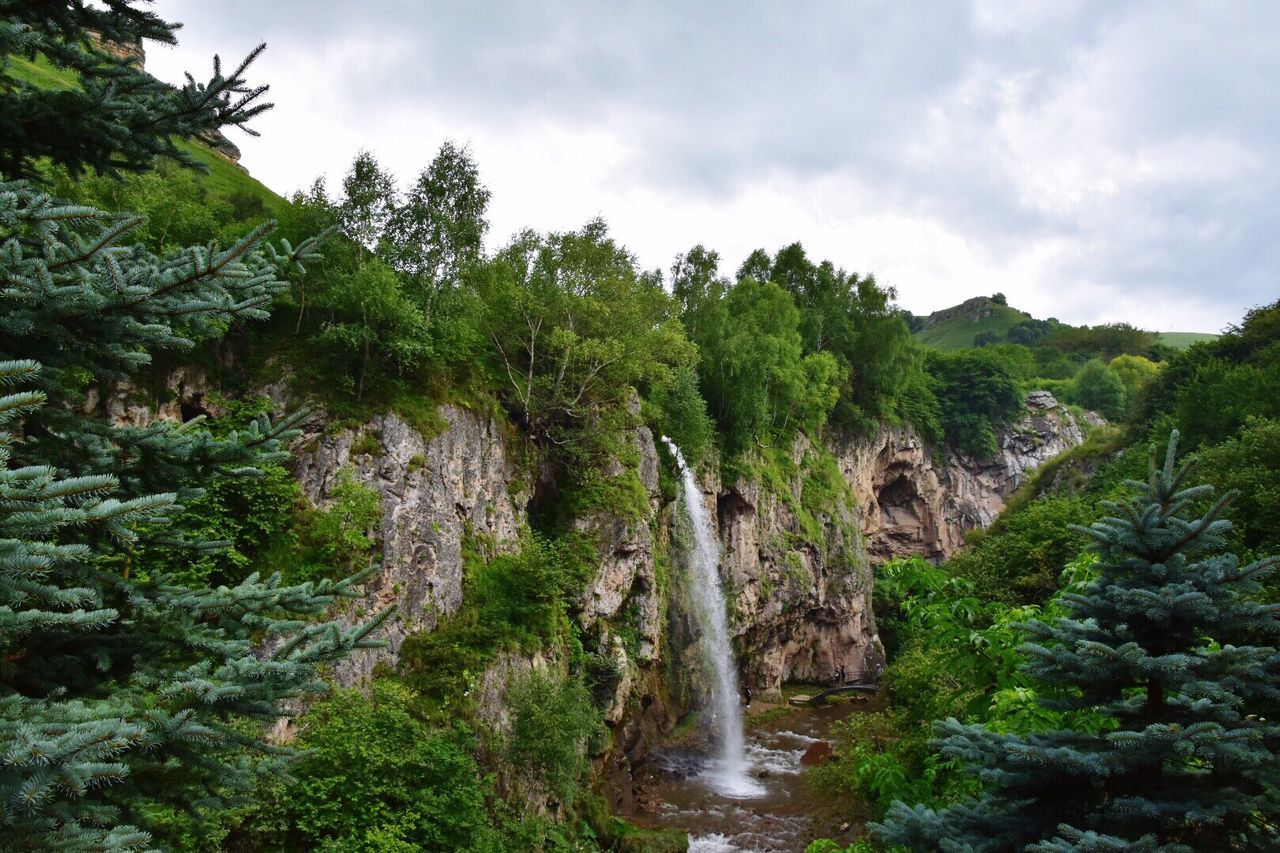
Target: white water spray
729, 773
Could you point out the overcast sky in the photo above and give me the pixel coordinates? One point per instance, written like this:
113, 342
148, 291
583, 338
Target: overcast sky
1093, 161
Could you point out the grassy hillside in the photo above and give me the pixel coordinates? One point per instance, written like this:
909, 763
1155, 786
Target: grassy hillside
224, 179
955, 328
1183, 340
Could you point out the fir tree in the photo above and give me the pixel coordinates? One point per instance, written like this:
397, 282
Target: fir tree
1169, 644
118, 686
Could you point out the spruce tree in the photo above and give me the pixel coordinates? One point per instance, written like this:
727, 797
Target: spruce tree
119, 686
1170, 645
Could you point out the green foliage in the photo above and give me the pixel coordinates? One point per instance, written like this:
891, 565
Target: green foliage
1220, 396
373, 324
135, 119
1098, 387
1105, 341
341, 537
978, 392
552, 723
251, 514
391, 313
615, 833
1135, 372
920, 407
510, 601
1248, 464
177, 206
1019, 561
368, 201
1211, 389
574, 327
131, 700
853, 319
952, 655
682, 416
436, 232
1161, 654
375, 777
761, 386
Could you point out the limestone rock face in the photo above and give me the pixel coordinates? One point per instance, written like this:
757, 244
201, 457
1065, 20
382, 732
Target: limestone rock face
798, 609
627, 573
185, 395
913, 502
435, 493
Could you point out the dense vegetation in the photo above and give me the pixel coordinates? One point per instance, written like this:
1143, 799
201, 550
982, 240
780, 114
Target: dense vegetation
146, 568
957, 633
131, 690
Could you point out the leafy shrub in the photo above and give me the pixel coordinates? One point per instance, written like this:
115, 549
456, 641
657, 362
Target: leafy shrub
1221, 396
978, 392
512, 601
341, 537
1249, 464
553, 721
376, 778
1019, 560
1098, 387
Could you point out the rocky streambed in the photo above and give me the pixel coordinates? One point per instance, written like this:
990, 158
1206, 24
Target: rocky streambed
680, 790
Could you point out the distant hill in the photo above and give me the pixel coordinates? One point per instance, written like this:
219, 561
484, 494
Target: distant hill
955, 328
1183, 340
965, 325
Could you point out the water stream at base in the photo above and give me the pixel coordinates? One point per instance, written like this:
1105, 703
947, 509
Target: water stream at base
784, 818
746, 794
729, 772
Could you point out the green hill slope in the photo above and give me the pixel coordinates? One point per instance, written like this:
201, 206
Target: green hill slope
1183, 340
955, 328
224, 178
958, 327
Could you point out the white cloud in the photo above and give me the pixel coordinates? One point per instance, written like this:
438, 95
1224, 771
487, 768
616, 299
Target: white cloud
1093, 162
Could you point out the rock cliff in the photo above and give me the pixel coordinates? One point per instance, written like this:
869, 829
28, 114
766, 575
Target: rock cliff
915, 500
798, 537
436, 492
797, 579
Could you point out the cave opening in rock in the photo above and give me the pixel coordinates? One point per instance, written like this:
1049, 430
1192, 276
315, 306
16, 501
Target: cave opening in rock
898, 500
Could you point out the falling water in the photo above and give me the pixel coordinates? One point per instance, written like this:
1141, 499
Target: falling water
729, 773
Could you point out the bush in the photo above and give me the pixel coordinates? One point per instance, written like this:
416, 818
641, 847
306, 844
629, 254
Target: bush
1249, 464
553, 722
978, 392
1018, 561
376, 778
510, 601
1097, 387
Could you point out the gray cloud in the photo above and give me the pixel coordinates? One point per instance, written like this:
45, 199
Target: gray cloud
1132, 150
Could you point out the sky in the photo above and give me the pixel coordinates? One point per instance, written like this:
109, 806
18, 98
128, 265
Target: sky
1094, 161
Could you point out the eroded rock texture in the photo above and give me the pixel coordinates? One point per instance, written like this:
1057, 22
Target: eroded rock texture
435, 493
797, 574
913, 500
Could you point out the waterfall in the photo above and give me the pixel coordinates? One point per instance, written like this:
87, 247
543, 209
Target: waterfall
729, 774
